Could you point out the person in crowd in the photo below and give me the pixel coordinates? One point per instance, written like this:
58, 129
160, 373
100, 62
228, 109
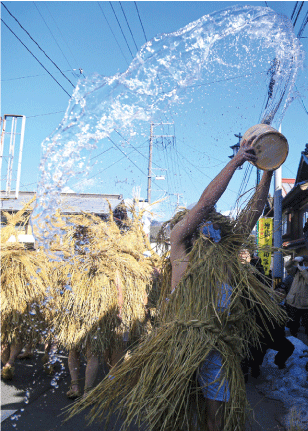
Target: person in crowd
273, 336
297, 298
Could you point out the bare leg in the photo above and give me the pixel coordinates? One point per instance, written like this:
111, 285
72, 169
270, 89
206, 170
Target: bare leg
74, 367
74, 364
7, 372
215, 420
27, 353
15, 349
91, 368
5, 353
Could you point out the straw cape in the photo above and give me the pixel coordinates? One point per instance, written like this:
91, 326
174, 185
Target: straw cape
23, 283
104, 263
157, 386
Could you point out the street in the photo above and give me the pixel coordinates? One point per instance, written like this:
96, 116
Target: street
34, 401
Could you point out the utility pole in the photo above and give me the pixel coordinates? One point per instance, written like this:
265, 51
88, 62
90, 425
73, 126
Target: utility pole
16, 132
151, 153
150, 165
278, 259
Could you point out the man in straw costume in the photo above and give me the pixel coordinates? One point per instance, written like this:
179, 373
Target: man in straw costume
23, 283
104, 312
186, 374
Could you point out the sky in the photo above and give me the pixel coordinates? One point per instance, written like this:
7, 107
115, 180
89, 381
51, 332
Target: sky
84, 38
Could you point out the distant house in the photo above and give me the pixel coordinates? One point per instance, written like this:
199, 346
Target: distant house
71, 203
295, 209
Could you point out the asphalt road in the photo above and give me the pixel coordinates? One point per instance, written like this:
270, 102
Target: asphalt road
34, 401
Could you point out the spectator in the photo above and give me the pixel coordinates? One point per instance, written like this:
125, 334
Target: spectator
297, 298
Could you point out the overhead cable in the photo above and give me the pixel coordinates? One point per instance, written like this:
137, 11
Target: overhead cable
63, 37
146, 39
129, 26
121, 29
302, 28
29, 76
136, 149
53, 36
38, 45
113, 33
294, 10
302, 4
43, 115
117, 146
35, 58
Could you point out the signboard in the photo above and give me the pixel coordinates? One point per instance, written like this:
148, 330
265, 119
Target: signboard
265, 235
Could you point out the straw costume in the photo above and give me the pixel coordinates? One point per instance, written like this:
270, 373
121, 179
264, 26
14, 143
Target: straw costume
158, 386
23, 281
105, 261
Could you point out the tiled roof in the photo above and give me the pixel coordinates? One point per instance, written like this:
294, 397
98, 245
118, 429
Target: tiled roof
71, 202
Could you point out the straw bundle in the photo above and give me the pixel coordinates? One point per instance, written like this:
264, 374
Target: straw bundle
157, 385
104, 259
23, 282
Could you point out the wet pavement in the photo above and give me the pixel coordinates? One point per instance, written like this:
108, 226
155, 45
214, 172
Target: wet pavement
34, 401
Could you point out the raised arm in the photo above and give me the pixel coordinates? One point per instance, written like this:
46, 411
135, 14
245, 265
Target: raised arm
250, 215
211, 195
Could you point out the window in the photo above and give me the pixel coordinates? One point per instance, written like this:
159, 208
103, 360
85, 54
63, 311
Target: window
285, 218
304, 217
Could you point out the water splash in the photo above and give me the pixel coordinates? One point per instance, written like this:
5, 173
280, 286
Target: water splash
218, 65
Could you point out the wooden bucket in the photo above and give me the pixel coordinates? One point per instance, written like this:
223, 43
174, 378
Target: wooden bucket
271, 146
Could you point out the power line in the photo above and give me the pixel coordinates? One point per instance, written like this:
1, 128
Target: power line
52, 35
128, 26
135, 148
121, 29
113, 33
29, 76
146, 39
294, 10
35, 57
298, 13
37, 45
43, 115
302, 28
63, 38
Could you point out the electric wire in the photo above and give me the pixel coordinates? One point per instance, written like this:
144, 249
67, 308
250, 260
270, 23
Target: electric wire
140, 21
35, 58
74, 58
38, 45
43, 115
128, 26
136, 149
302, 4
302, 27
113, 33
53, 36
296, 3
121, 29
29, 76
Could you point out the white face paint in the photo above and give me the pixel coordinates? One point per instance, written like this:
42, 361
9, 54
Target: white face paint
209, 231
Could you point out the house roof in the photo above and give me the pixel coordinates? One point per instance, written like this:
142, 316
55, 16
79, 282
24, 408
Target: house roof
287, 185
70, 202
302, 172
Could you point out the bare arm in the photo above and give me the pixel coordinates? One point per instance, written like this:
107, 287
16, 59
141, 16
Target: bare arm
250, 215
211, 195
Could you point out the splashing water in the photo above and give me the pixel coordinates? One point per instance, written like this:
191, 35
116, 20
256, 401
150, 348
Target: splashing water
207, 76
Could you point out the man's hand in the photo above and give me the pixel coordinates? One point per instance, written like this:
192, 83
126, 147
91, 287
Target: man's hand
246, 152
